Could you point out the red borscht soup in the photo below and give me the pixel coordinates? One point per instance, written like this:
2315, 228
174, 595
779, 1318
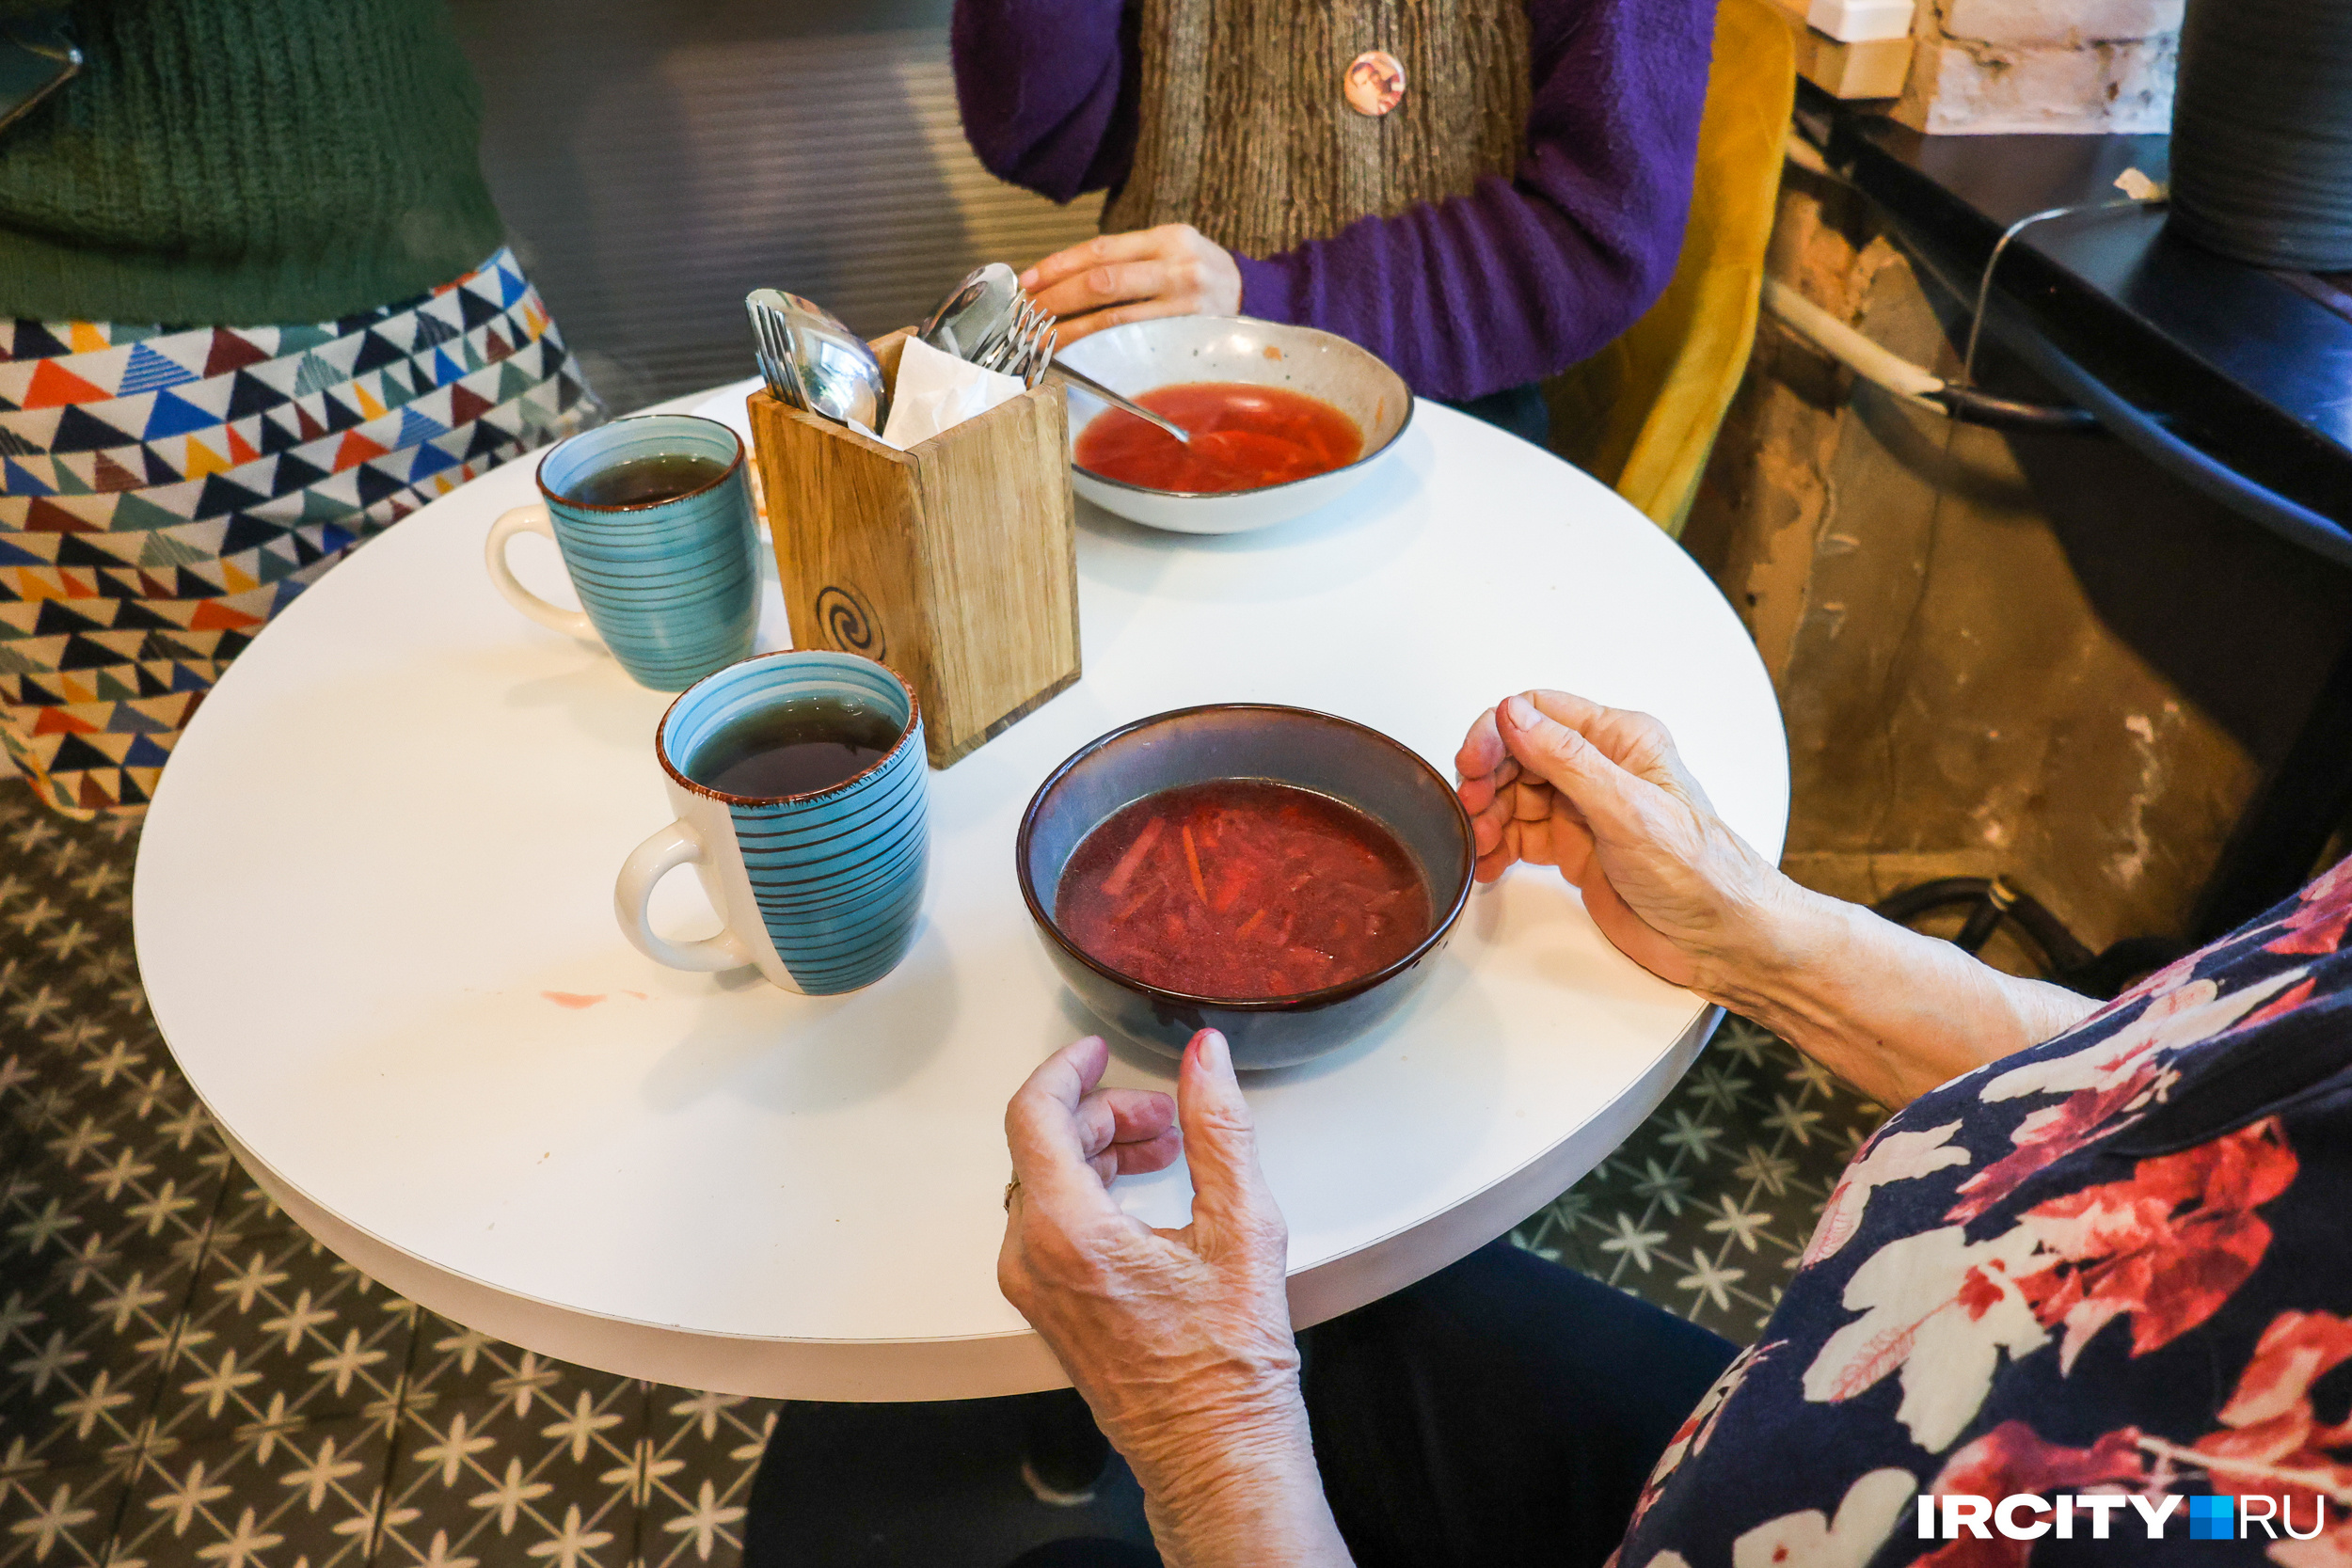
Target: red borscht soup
1242, 890
1243, 438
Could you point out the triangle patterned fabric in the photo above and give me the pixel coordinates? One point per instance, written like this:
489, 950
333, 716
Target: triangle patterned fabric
164, 492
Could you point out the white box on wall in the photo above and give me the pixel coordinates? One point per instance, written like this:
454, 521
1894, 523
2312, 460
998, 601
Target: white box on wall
1860, 21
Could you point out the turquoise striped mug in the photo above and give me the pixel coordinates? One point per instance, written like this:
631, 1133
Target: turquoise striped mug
669, 585
821, 889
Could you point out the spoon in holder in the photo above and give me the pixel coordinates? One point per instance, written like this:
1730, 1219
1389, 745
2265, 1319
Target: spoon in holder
812, 361
990, 320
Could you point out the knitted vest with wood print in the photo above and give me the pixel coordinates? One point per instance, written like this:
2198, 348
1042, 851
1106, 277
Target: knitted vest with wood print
1244, 131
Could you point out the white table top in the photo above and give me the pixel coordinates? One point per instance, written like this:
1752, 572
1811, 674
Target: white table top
374, 912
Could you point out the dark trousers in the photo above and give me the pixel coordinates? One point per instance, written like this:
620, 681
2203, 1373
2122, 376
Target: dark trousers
1521, 410
1502, 1412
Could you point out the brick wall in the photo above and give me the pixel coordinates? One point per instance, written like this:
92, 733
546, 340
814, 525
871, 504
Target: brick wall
1991, 66
2030, 656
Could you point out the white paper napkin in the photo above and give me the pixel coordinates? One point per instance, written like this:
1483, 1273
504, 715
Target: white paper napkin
938, 391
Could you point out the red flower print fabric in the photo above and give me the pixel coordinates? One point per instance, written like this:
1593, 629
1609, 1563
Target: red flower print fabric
2011, 1459
2117, 1266
2168, 1246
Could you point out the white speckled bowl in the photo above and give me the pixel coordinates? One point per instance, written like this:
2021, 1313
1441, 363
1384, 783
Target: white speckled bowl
1173, 349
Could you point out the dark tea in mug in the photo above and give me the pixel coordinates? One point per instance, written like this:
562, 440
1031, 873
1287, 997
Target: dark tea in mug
648, 480
795, 747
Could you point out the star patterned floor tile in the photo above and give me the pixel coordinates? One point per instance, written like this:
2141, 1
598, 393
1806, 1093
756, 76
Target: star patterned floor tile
186, 1378
96, 1258
59, 1517
694, 1475
256, 1496
502, 1451
271, 1310
1706, 1209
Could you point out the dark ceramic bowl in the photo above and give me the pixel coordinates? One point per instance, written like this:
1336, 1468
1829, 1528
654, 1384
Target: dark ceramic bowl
1332, 756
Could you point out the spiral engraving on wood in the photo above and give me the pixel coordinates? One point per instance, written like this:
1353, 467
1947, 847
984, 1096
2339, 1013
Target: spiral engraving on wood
849, 622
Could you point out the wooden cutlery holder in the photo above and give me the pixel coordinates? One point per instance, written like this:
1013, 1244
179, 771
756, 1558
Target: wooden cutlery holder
955, 562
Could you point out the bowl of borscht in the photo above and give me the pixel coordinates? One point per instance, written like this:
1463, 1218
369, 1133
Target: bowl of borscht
1283, 420
1281, 875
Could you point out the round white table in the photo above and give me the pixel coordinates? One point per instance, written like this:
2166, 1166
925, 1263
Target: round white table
373, 913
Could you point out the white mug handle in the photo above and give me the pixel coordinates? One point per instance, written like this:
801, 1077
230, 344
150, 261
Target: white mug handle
673, 847
531, 519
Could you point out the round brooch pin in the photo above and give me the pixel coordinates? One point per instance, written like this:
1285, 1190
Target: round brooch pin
1374, 83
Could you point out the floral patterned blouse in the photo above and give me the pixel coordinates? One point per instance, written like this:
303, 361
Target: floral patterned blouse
2119, 1262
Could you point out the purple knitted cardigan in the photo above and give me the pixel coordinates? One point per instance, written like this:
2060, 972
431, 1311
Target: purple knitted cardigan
1513, 282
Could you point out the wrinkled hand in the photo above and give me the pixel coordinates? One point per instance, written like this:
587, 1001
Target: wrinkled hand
1174, 270
1180, 1339
1554, 780
1163, 1331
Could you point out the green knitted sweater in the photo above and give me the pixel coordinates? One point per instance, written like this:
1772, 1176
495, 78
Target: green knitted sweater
235, 163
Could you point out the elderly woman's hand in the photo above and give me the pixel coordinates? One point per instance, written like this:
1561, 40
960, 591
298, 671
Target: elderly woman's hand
1179, 1340
1174, 270
1554, 780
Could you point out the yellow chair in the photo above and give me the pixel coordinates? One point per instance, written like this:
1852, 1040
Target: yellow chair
1641, 414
